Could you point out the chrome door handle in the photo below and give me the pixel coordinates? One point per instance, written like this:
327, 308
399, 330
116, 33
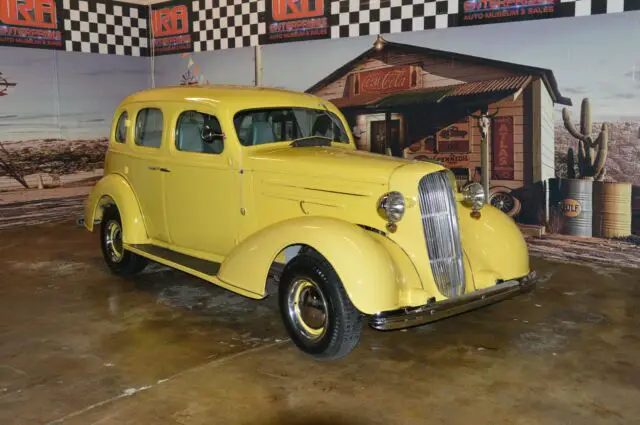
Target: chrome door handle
164, 170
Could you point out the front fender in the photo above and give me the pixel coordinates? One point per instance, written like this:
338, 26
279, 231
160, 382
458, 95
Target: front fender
375, 277
494, 245
114, 189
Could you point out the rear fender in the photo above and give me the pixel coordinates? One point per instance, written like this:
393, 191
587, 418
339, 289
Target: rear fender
376, 274
114, 189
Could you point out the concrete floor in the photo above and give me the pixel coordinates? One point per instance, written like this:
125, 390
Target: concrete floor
79, 346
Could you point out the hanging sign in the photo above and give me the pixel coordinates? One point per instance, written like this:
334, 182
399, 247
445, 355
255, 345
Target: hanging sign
170, 28
454, 138
502, 148
476, 12
296, 20
31, 23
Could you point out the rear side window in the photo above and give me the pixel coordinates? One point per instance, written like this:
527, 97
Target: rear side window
121, 129
149, 128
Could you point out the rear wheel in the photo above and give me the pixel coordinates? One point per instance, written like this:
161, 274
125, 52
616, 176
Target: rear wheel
120, 262
316, 310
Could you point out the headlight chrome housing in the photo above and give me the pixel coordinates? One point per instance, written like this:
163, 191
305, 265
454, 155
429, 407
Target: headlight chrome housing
473, 195
392, 206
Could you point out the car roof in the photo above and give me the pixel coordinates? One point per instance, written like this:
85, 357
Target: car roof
234, 97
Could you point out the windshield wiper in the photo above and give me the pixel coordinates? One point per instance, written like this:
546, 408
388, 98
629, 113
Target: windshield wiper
305, 142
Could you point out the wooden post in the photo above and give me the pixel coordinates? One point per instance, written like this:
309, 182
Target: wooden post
485, 148
258, 65
387, 134
484, 122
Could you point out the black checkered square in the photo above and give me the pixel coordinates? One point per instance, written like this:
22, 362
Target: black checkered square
353, 18
107, 28
226, 24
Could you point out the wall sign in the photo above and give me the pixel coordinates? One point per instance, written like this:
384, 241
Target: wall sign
477, 12
450, 160
387, 80
296, 20
454, 138
31, 23
171, 28
502, 148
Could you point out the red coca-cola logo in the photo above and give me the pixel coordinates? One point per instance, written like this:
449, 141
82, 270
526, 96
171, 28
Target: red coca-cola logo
385, 80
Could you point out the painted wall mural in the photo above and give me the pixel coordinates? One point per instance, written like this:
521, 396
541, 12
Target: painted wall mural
454, 74
531, 84
55, 117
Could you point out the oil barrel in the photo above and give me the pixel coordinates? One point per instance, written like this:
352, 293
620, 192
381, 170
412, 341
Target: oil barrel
572, 199
611, 209
635, 210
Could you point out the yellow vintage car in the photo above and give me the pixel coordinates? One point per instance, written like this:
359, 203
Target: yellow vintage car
235, 184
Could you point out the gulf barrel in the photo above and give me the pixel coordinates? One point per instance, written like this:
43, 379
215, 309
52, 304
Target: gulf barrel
573, 199
611, 209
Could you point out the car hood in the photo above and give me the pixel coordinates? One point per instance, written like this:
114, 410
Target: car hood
331, 163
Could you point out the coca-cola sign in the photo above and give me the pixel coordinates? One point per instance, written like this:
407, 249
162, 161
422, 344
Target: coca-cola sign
387, 80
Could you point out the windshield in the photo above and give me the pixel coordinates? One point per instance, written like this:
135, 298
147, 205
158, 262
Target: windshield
260, 126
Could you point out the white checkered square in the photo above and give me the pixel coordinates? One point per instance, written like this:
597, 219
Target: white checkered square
353, 18
106, 28
226, 24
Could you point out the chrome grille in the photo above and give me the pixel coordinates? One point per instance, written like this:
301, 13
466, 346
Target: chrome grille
440, 225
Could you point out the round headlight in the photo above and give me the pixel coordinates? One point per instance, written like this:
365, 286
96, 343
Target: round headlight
392, 206
474, 196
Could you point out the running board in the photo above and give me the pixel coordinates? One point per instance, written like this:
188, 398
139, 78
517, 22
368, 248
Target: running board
176, 259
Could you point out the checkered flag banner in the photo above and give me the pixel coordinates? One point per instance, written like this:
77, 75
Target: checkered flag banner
107, 28
353, 18
227, 24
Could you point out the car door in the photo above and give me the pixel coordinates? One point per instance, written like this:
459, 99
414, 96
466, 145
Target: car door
146, 168
202, 189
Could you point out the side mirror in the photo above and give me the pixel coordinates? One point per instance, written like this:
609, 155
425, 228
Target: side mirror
210, 135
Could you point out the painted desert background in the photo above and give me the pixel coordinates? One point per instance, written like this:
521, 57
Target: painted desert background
55, 121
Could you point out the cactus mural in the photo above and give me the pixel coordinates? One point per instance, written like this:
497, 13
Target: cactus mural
592, 154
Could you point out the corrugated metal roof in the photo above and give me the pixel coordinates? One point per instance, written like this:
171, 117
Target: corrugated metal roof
490, 86
435, 94
430, 95
361, 100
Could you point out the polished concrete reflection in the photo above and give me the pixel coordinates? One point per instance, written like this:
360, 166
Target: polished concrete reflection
79, 346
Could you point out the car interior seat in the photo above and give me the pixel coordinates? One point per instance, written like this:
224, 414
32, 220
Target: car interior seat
190, 138
260, 132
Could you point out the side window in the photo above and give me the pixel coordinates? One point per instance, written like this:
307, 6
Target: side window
149, 128
189, 132
243, 128
121, 129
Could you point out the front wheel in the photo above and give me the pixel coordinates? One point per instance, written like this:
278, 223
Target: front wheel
121, 262
316, 310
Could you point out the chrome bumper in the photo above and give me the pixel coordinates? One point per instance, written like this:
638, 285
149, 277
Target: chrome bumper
416, 316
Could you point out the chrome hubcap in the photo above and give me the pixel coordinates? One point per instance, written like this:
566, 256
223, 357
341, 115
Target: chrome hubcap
307, 308
113, 241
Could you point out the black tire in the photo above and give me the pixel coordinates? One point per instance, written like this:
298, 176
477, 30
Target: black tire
121, 262
342, 324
